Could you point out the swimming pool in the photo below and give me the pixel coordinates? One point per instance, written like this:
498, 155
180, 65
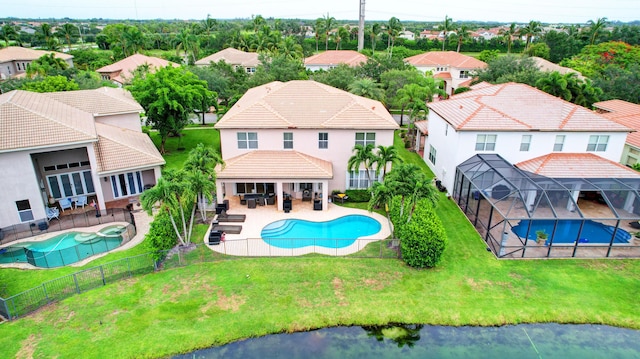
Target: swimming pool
65, 248
338, 233
567, 231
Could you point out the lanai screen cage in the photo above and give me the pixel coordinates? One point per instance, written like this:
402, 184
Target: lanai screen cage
520, 214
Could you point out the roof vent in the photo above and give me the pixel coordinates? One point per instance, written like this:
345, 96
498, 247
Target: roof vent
461, 107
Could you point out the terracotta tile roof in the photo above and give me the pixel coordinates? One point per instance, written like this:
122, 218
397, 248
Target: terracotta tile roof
16, 53
120, 149
305, 104
576, 165
336, 57
624, 113
443, 75
125, 67
518, 107
548, 66
422, 126
275, 165
29, 119
232, 57
445, 58
99, 102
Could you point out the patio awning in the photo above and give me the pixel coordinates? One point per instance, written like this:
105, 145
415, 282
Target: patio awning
275, 165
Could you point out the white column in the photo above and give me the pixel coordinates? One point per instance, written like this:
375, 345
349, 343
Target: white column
96, 179
219, 191
575, 194
325, 195
279, 196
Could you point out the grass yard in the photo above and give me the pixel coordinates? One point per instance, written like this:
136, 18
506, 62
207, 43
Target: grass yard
182, 309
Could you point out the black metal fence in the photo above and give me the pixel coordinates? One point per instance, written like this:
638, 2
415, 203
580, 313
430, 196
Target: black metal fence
21, 304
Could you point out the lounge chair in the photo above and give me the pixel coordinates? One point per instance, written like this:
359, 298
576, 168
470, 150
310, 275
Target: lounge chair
224, 217
65, 203
226, 228
635, 224
52, 212
286, 205
81, 201
215, 237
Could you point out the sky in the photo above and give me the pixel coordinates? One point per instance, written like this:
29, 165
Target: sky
521, 11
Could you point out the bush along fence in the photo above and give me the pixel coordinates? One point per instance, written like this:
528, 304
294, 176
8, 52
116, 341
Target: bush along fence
26, 302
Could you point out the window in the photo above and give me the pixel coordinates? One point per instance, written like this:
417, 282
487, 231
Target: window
432, 154
486, 142
598, 143
323, 140
24, 210
557, 146
365, 138
70, 184
247, 140
126, 184
359, 179
464, 74
250, 70
525, 143
288, 140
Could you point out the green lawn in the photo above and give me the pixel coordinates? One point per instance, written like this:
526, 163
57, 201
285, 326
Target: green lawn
201, 305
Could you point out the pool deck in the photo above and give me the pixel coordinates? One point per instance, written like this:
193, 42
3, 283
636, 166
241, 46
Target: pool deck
249, 243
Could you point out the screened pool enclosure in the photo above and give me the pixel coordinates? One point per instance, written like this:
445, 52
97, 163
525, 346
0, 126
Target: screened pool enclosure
520, 214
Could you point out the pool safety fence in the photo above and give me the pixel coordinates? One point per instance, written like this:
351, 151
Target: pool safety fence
21, 304
76, 220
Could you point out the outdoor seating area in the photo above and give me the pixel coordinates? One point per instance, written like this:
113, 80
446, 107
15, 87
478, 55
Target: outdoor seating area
251, 200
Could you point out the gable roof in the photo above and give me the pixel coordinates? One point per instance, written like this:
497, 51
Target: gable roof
548, 66
305, 104
576, 165
624, 113
34, 120
120, 149
232, 57
518, 107
336, 57
275, 164
128, 65
17, 53
445, 58
99, 102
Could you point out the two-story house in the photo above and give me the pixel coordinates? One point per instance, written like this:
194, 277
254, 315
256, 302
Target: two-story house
68, 144
248, 61
329, 59
288, 138
627, 114
453, 68
14, 60
122, 72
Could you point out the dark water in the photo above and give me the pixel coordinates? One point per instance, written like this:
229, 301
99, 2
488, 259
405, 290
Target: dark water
417, 341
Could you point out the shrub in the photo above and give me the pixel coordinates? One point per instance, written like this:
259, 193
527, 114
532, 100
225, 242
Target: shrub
161, 236
358, 195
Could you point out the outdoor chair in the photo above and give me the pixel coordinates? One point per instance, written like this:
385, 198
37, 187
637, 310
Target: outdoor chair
81, 201
53, 212
251, 203
635, 224
65, 203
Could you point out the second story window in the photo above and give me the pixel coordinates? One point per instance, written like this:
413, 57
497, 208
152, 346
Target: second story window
598, 143
525, 143
247, 140
365, 138
288, 140
486, 142
559, 144
464, 74
323, 140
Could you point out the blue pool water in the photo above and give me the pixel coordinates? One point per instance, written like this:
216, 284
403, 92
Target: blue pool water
567, 231
338, 233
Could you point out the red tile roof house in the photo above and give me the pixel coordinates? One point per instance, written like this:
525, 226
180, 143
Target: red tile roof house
329, 59
510, 152
296, 136
121, 72
66, 144
14, 60
455, 69
626, 114
236, 58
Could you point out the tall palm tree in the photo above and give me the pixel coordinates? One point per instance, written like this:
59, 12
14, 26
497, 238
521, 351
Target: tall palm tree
445, 27
530, 31
381, 195
329, 21
9, 33
69, 32
208, 26
384, 156
414, 97
393, 29
165, 193
368, 88
508, 34
373, 34
595, 27
290, 48
462, 33
340, 35
318, 27
44, 33
363, 156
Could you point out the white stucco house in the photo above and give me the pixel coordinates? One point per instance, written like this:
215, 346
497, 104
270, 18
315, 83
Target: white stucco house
327, 60
63, 145
626, 114
454, 69
15, 59
296, 137
248, 61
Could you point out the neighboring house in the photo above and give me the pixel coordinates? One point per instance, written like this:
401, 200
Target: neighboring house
248, 61
548, 66
455, 69
67, 144
298, 136
14, 60
332, 58
122, 72
431, 34
407, 35
519, 123
626, 114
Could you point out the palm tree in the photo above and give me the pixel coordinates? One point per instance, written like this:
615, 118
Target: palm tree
9, 33
445, 27
363, 155
164, 192
189, 43
342, 33
44, 33
373, 34
595, 27
462, 33
508, 35
384, 156
411, 184
69, 32
318, 27
327, 26
208, 26
290, 48
531, 30
368, 88
393, 29
555, 84
381, 195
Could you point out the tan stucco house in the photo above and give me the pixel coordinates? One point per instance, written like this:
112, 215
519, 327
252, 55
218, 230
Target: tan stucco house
234, 57
296, 137
122, 72
329, 59
69, 144
15, 59
454, 69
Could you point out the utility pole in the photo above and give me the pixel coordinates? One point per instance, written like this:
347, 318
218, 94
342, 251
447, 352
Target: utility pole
361, 27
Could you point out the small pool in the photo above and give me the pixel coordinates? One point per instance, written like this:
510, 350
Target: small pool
567, 231
338, 233
65, 248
